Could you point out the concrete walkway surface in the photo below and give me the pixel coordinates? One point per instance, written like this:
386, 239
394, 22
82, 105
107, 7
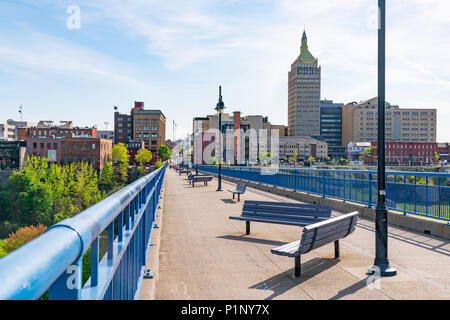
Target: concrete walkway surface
205, 256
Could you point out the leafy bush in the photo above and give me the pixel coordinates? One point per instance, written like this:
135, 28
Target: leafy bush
22, 236
158, 164
2, 249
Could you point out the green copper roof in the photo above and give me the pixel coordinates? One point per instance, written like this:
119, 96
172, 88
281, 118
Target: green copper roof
305, 55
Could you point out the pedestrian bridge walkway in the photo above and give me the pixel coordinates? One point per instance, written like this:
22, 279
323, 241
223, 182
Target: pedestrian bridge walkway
201, 254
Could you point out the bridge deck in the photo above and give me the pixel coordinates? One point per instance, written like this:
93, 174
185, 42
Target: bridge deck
204, 255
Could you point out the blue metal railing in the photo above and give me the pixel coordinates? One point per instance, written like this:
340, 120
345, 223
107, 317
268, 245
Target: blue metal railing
419, 193
54, 260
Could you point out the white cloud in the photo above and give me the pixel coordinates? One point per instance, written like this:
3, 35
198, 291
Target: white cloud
249, 45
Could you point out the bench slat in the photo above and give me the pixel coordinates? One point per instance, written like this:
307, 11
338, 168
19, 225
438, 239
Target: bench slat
325, 235
309, 234
299, 222
282, 217
332, 220
281, 210
320, 243
287, 250
285, 204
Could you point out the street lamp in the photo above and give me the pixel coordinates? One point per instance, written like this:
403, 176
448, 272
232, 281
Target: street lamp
219, 108
381, 265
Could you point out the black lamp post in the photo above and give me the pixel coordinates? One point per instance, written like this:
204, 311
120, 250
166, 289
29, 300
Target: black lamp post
219, 108
381, 263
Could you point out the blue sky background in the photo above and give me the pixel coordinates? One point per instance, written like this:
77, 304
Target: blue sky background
174, 54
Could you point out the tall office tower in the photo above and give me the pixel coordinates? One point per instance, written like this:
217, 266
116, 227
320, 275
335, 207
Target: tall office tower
304, 94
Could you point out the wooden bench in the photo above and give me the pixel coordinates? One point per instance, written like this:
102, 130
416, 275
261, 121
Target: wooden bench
240, 189
295, 214
204, 179
317, 235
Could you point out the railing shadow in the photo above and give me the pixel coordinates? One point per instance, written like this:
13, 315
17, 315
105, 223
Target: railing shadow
285, 281
351, 290
435, 248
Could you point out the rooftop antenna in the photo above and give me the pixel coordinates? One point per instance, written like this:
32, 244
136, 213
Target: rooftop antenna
106, 124
21, 113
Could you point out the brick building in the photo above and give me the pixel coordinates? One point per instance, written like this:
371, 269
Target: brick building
444, 151
96, 151
407, 153
144, 125
133, 149
46, 129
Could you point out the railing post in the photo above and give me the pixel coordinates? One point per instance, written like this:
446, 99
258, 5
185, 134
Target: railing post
404, 196
426, 196
110, 240
323, 194
68, 285
370, 190
439, 196
94, 262
415, 194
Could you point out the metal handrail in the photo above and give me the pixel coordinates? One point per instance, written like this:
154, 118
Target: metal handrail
29, 271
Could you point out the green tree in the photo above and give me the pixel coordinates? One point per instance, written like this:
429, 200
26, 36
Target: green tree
369, 152
121, 158
106, 179
158, 164
436, 157
164, 152
144, 156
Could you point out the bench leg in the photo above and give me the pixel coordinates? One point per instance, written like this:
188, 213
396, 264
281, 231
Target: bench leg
239, 197
247, 228
298, 268
336, 249
192, 184
233, 196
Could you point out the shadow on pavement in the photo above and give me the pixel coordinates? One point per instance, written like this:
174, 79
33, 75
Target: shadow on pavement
285, 281
229, 201
252, 240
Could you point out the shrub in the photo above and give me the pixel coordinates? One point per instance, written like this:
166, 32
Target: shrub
2, 249
158, 164
22, 236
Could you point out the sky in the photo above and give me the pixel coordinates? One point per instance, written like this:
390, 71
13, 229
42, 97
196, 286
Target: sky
173, 55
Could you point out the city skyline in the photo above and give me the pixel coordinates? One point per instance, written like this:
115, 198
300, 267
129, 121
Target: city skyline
175, 59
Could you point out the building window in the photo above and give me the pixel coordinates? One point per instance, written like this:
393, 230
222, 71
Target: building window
55, 146
93, 146
66, 159
84, 146
93, 160
35, 145
75, 159
84, 159
66, 146
75, 146
154, 129
154, 135
42, 146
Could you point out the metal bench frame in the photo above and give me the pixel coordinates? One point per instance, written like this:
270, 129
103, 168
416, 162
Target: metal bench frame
317, 235
240, 189
204, 179
287, 213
